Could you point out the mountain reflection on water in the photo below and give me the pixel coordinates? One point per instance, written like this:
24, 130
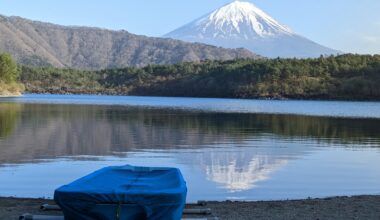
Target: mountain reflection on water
239, 171
235, 151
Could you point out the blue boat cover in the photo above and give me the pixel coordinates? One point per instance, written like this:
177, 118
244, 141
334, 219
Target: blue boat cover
125, 192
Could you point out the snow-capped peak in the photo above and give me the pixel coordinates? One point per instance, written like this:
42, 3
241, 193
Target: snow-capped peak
242, 24
239, 20
240, 15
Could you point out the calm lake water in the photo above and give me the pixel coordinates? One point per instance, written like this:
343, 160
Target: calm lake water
226, 148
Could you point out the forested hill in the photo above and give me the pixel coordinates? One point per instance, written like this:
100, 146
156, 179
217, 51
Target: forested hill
44, 44
346, 77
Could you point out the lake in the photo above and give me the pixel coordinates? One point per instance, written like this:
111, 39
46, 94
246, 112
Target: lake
226, 148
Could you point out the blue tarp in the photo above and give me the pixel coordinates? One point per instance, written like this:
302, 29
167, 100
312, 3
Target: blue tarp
126, 193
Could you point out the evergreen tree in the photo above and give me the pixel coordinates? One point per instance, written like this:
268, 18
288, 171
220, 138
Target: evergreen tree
8, 69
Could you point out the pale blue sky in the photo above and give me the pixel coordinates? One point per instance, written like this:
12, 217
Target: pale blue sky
347, 25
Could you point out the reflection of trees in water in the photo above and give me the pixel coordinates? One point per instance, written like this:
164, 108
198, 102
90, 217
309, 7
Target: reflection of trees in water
243, 125
322, 128
9, 114
219, 123
60, 130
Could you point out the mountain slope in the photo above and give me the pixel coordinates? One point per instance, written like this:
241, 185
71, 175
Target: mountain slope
41, 44
242, 24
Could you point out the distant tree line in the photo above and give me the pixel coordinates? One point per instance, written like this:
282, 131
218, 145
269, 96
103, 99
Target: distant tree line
345, 77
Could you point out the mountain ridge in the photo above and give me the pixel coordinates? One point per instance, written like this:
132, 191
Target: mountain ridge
46, 44
242, 24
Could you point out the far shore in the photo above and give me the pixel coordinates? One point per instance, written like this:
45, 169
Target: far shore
105, 93
10, 95
335, 208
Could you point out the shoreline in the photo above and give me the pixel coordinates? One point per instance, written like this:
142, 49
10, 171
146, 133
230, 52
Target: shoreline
10, 95
337, 208
280, 98
196, 97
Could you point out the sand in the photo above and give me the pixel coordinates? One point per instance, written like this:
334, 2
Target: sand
336, 208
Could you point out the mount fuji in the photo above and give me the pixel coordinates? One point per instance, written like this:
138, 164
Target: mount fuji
242, 24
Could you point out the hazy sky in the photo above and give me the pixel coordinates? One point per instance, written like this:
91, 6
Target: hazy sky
347, 25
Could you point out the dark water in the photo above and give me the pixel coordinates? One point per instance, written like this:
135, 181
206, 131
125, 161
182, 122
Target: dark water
226, 149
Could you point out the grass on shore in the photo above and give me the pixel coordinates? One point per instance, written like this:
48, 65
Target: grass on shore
11, 89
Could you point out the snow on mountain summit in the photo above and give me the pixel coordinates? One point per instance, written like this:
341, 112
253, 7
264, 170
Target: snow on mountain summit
242, 18
242, 24
238, 20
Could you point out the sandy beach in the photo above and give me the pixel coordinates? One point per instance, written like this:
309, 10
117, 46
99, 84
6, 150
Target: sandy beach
10, 95
336, 208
